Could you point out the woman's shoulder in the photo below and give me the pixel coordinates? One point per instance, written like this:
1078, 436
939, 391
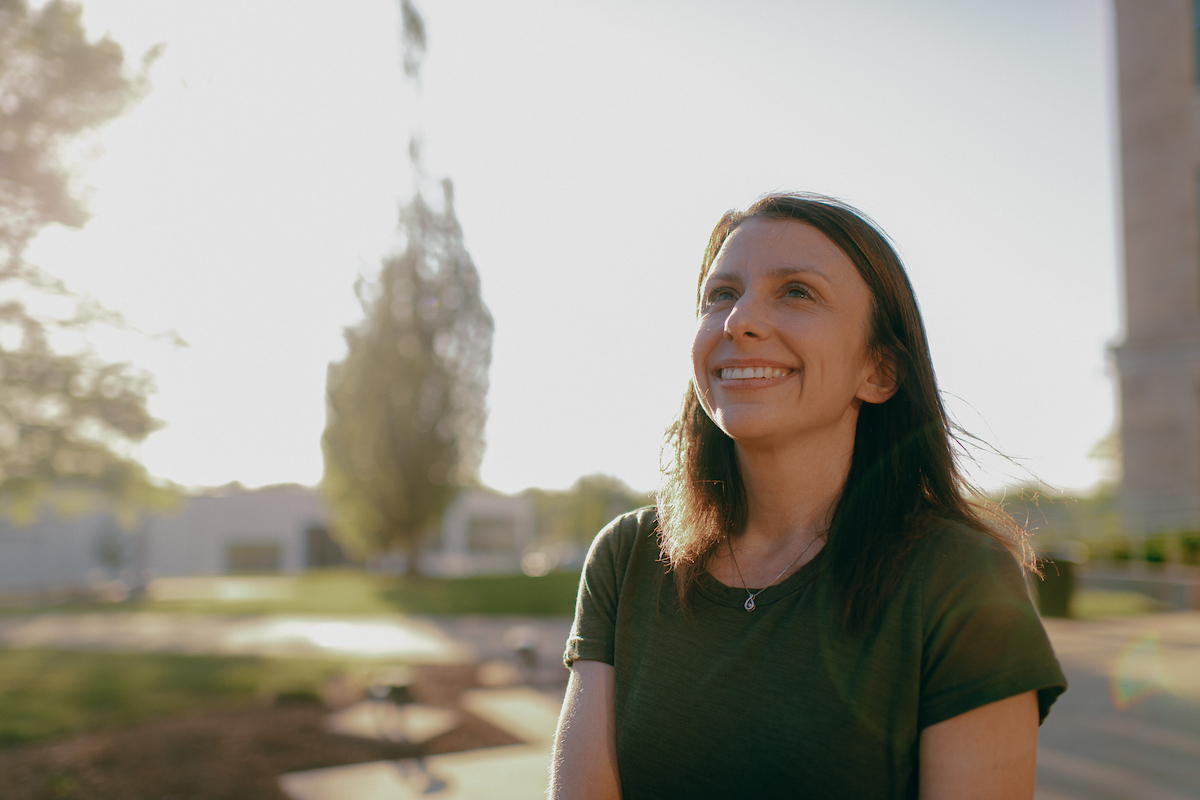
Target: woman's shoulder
983, 639
949, 552
941, 539
639, 521
632, 531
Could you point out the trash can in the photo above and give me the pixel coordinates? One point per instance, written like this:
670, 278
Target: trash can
1059, 574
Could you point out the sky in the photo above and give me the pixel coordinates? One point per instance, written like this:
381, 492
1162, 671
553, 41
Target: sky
593, 147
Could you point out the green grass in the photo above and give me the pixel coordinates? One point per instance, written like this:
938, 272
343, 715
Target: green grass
347, 592
549, 595
49, 693
1096, 604
323, 592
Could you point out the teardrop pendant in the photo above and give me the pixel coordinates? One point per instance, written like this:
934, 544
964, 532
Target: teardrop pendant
749, 604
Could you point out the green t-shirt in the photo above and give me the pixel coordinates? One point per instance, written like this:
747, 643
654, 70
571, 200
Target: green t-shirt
781, 701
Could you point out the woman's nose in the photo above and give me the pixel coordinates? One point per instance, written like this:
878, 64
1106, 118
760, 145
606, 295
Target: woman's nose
747, 319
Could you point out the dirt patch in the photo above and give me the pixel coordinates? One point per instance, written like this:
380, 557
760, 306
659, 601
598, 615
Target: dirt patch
223, 754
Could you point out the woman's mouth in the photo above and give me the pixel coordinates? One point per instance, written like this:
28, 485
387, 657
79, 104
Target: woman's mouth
745, 373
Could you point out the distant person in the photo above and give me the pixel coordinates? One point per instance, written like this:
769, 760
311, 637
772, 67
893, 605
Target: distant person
816, 608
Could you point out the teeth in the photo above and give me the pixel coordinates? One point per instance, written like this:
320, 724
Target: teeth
742, 373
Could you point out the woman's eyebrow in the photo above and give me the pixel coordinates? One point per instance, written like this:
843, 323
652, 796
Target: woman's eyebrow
780, 273
775, 273
723, 277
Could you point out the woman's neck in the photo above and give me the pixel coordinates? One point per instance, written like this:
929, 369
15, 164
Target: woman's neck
791, 491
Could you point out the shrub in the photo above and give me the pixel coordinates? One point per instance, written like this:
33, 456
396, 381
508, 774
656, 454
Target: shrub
1156, 549
1190, 546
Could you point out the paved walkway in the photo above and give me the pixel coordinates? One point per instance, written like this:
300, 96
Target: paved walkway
497, 773
515, 772
1128, 729
461, 639
1129, 726
404, 638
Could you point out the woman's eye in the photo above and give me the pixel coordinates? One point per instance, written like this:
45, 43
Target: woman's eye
798, 291
719, 295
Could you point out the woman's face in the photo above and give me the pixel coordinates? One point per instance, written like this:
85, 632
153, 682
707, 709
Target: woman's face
781, 349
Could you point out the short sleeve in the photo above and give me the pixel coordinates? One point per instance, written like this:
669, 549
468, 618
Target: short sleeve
983, 639
594, 631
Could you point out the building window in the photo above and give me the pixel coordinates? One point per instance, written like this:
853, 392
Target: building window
491, 535
254, 557
320, 548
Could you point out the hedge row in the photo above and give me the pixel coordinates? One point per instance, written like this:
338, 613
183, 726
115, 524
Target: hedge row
1155, 550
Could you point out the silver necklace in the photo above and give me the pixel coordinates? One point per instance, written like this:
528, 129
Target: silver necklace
749, 604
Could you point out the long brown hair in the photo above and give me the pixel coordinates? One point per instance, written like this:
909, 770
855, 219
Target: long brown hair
903, 471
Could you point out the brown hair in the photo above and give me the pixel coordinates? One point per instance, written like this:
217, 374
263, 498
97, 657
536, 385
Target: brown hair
903, 470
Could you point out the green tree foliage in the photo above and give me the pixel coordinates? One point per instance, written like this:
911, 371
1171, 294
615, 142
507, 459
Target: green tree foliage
405, 409
67, 419
577, 515
406, 406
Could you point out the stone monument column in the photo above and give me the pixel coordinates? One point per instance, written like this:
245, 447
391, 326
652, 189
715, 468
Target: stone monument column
1159, 361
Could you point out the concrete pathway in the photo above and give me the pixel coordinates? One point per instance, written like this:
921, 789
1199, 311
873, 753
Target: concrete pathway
1129, 726
413, 723
516, 771
1128, 729
402, 638
496, 639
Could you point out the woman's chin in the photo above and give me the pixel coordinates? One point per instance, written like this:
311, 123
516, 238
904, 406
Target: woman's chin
749, 429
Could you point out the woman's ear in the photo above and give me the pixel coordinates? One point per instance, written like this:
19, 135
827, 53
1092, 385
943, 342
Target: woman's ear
881, 382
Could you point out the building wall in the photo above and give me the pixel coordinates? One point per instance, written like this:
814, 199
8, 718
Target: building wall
53, 553
481, 533
64, 553
1159, 361
197, 539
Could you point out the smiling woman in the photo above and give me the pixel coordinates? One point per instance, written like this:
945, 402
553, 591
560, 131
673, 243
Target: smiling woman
781, 349
814, 607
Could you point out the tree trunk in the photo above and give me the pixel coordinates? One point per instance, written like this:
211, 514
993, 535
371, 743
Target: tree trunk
413, 569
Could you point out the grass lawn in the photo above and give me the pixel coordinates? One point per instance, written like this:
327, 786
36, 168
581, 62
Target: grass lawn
549, 595
354, 593
1088, 604
348, 592
46, 694
50, 693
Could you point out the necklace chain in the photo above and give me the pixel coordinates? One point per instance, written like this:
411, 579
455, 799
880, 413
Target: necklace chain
749, 604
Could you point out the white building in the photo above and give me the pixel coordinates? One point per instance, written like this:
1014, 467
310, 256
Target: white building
482, 533
277, 529
231, 529
55, 554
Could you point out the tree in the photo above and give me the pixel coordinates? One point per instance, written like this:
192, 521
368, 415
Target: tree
577, 515
406, 406
67, 419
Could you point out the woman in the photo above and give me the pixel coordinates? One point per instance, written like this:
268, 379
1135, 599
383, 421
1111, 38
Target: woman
815, 609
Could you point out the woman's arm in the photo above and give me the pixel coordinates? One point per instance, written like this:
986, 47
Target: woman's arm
584, 766
988, 753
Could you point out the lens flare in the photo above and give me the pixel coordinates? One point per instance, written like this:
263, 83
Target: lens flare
1139, 671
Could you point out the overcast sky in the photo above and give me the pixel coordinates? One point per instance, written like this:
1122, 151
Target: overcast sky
593, 146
